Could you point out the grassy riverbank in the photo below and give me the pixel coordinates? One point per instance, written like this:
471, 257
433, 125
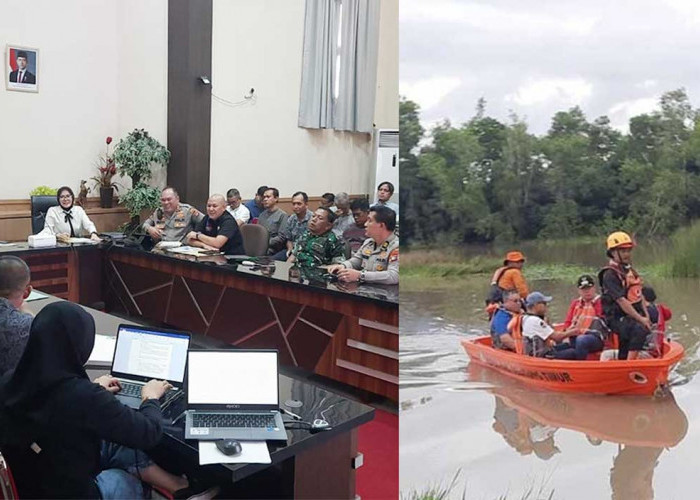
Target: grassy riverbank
445, 267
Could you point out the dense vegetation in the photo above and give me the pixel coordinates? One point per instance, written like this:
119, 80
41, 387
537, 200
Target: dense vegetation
489, 181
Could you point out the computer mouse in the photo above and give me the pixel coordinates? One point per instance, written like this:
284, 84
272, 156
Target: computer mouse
229, 446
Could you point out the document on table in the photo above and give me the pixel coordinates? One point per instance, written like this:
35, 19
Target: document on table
82, 240
252, 452
35, 295
103, 351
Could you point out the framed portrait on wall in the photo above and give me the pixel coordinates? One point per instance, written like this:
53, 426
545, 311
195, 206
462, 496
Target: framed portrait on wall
21, 68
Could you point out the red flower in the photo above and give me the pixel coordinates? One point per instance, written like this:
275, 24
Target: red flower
113, 170
109, 140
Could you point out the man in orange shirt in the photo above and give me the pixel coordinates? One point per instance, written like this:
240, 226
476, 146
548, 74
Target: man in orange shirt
510, 276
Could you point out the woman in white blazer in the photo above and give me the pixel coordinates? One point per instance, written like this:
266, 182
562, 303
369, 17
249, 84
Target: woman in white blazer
67, 220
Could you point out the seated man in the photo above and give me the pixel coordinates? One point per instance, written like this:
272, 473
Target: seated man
377, 260
218, 230
15, 320
584, 320
239, 211
296, 224
355, 234
255, 206
328, 201
273, 219
511, 306
173, 220
318, 245
343, 216
535, 330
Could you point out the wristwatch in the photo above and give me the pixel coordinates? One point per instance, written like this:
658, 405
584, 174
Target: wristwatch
362, 276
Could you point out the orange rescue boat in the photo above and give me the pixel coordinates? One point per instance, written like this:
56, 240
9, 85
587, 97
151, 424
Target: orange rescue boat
640, 376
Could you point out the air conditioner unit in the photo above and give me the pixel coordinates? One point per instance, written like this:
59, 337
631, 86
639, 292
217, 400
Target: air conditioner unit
386, 166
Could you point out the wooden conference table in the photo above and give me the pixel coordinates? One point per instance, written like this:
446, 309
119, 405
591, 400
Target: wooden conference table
348, 333
307, 466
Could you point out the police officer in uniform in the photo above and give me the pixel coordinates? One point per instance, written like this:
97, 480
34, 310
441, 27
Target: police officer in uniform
377, 260
173, 220
318, 245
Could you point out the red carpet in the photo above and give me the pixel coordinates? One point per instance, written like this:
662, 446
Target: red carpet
378, 441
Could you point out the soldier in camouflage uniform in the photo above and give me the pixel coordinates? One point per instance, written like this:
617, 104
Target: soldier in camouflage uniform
377, 260
318, 245
173, 220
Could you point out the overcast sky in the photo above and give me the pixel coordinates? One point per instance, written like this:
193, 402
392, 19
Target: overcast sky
537, 57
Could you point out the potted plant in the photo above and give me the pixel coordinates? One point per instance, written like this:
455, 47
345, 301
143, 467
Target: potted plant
135, 155
108, 169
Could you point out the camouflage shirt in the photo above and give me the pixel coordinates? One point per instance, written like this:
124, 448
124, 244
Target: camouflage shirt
313, 250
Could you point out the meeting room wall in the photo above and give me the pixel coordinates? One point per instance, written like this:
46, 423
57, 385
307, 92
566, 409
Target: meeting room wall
102, 72
259, 45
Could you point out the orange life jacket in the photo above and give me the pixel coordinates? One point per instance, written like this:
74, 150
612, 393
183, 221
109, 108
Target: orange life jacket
515, 327
584, 314
631, 281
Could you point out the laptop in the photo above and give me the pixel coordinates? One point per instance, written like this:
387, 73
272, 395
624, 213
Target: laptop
143, 353
233, 394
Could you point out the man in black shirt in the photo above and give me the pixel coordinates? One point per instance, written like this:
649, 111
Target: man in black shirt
218, 230
623, 306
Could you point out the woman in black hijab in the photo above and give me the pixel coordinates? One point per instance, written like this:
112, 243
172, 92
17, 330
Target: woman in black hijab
58, 429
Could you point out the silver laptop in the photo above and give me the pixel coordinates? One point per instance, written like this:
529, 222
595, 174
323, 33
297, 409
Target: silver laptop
143, 353
233, 394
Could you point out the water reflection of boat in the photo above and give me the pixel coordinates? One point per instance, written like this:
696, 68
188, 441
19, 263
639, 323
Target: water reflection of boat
642, 427
629, 420
641, 376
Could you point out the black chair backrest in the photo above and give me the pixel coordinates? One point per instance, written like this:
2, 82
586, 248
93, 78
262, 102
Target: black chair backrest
256, 239
40, 205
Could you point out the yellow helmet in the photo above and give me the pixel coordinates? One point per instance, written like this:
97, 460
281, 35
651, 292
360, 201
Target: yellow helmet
619, 239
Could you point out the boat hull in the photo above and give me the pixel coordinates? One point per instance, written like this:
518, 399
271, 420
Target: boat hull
641, 376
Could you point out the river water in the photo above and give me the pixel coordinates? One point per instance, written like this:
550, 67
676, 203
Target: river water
502, 440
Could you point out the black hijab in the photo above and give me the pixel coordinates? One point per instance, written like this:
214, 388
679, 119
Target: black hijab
60, 342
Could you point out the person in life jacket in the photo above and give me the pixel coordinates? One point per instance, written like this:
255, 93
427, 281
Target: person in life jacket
534, 329
512, 305
623, 305
659, 314
585, 319
507, 277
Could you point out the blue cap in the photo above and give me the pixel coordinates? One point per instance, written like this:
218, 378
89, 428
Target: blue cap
536, 298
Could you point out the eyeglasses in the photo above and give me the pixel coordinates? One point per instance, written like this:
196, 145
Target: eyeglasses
65, 197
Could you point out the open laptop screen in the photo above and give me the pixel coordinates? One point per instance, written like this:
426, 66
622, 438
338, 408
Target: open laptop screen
235, 378
148, 353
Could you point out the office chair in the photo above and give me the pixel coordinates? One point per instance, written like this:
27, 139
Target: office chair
40, 205
7, 484
256, 239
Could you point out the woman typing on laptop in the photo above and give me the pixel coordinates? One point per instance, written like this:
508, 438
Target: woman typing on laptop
66, 437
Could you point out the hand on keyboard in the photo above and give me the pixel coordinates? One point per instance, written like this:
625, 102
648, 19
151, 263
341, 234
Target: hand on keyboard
154, 389
108, 382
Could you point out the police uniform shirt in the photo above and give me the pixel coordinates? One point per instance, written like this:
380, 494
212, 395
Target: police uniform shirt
227, 226
380, 262
176, 225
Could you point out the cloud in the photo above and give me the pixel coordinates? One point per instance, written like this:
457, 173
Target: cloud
569, 92
538, 58
495, 19
621, 112
688, 10
429, 92
647, 84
